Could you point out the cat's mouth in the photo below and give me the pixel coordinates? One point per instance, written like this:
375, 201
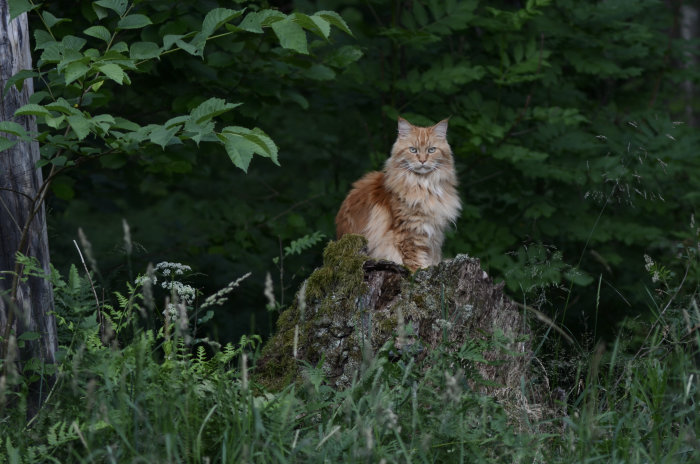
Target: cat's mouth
422, 169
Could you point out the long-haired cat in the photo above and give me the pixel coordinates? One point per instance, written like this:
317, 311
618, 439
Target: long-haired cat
403, 210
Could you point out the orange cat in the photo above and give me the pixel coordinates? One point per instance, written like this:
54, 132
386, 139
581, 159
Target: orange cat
403, 210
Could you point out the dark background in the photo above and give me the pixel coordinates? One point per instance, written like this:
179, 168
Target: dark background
572, 125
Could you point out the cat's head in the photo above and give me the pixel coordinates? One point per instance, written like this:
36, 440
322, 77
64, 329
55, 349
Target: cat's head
421, 150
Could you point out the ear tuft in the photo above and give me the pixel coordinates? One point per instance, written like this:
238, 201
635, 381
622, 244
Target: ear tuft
404, 127
440, 129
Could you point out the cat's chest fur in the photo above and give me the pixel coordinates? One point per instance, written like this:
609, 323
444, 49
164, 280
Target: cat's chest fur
430, 202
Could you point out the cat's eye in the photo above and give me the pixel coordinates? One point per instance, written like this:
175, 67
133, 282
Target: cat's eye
431, 150
413, 149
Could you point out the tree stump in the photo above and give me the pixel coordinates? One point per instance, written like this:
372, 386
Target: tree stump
353, 305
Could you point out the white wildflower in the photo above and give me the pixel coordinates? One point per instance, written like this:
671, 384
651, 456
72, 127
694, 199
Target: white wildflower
184, 292
166, 268
170, 312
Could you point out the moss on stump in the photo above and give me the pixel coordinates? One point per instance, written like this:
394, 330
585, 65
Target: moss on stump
351, 306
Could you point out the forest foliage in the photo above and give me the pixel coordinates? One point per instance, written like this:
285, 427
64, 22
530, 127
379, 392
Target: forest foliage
569, 130
224, 135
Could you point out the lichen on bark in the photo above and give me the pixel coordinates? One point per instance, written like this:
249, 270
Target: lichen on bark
352, 306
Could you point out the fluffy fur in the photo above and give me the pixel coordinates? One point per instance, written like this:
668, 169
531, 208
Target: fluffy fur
403, 210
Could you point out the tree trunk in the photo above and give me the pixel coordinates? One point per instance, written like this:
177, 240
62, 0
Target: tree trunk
29, 309
689, 31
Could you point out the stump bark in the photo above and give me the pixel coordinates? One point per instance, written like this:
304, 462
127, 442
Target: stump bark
352, 306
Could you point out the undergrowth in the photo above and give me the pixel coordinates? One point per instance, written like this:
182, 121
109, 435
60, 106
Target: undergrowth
139, 386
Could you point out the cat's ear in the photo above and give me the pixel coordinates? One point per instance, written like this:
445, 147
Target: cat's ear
440, 129
404, 128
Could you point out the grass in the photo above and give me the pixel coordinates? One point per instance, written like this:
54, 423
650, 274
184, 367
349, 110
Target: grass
153, 395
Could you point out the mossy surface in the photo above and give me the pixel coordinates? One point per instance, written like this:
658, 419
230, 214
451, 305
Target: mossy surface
354, 306
330, 294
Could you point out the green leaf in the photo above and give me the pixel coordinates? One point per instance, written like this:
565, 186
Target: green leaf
102, 123
29, 336
169, 40
315, 24
211, 108
134, 21
18, 79
420, 14
176, 120
72, 43
70, 56
113, 71
240, 152
32, 109
75, 71
99, 32
303, 243
215, 18
80, 125
51, 20
62, 106
6, 143
121, 123
162, 136
38, 97
291, 35
298, 98
54, 122
252, 23
323, 25
189, 48
212, 21
118, 6
335, 19
59, 161
42, 38
51, 53
116, 53
17, 7
343, 56
13, 128
144, 50
271, 146
100, 11
319, 72
261, 143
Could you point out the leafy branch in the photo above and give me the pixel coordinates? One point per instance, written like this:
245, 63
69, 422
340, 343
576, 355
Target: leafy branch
71, 134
